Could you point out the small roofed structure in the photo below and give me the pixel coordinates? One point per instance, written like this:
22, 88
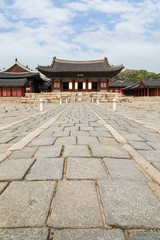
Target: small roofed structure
146, 87
16, 80
117, 87
80, 75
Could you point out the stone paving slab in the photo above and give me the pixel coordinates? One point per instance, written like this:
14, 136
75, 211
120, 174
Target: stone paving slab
26, 204
155, 145
87, 140
42, 141
108, 141
24, 234
65, 141
27, 152
100, 134
129, 204
47, 169
76, 151
85, 168
151, 156
49, 151
3, 185
14, 169
123, 169
139, 145
152, 137
100, 129
82, 128
61, 134
6, 139
145, 236
80, 133
115, 234
157, 165
108, 151
133, 137
76, 205
76, 128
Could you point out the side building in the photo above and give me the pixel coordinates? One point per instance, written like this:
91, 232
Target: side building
117, 87
146, 87
16, 80
80, 75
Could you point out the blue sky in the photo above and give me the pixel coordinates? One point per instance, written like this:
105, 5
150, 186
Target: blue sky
125, 31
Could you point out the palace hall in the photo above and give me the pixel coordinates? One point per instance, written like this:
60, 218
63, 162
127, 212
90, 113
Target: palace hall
80, 75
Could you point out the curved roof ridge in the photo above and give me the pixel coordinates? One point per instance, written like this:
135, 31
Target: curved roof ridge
78, 62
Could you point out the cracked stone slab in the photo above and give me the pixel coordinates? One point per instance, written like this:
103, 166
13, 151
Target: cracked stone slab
145, 235
110, 234
123, 169
3, 185
129, 204
49, 151
47, 169
108, 151
65, 140
76, 205
76, 151
24, 234
42, 141
29, 206
27, 152
14, 169
85, 168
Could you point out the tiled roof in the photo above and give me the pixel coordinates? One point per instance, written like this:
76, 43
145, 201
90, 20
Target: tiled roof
120, 84
151, 82
7, 75
65, 66
13, 82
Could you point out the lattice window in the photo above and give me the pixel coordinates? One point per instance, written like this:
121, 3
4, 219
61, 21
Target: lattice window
56, 85
103, 84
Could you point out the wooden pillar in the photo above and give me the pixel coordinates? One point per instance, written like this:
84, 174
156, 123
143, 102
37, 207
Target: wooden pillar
98, 87
52, 85
61, 85
73, 86
157, 92
147, 92
86, 85
107, 85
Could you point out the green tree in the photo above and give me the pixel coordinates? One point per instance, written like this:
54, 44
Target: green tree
130, 75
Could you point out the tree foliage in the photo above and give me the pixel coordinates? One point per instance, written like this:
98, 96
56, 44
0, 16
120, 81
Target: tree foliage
130, 75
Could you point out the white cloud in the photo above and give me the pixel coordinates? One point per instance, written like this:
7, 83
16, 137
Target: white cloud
127, 32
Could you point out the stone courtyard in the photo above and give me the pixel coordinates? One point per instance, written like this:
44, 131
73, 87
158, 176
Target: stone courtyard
80, 171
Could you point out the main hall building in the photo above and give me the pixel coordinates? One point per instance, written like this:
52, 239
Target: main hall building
80, 75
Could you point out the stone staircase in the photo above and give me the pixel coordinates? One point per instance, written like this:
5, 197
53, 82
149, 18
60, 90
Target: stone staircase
54, 97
